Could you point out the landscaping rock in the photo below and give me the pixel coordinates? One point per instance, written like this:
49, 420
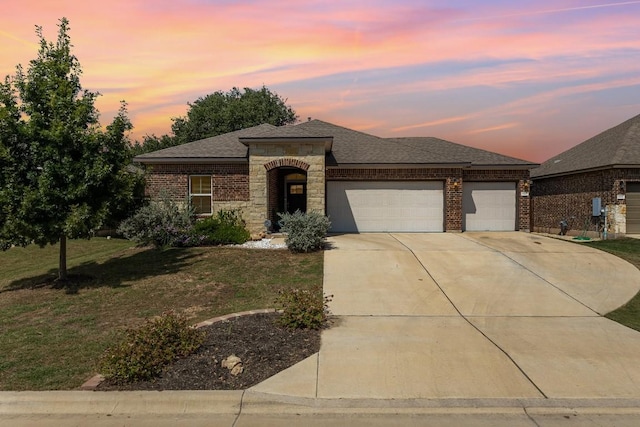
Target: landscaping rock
234, 364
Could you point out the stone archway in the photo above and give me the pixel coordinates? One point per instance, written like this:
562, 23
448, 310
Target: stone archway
286, 192
284, 166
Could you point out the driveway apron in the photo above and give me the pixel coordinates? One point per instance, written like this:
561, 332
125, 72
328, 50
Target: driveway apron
473, 316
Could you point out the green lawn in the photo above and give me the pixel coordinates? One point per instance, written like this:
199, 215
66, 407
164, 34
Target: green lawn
52, 338
627, 249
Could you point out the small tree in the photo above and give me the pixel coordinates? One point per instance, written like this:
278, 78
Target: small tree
61, 175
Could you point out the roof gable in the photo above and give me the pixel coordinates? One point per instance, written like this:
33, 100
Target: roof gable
618, 146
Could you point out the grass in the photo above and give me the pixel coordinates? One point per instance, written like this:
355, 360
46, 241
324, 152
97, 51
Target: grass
629, 250
52, 338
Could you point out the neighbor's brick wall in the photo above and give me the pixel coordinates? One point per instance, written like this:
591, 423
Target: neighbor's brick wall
570, 197
230, 183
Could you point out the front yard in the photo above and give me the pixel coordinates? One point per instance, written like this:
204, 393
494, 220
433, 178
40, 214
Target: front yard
629, 250
51, 338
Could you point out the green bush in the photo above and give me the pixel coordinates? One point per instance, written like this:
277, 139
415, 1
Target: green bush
303, 309
305, 231
144, 351
226, 227
161, 223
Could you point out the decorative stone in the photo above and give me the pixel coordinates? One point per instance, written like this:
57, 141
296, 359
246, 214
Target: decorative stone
233, 364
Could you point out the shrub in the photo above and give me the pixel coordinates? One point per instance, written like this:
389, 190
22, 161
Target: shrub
303, 309
305, 231
144, 351
161, 223
226, 227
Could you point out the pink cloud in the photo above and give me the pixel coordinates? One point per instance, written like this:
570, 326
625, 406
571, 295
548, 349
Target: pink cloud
160, 55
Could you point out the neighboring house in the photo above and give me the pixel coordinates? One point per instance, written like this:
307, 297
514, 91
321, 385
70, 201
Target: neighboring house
363, 182
606, 166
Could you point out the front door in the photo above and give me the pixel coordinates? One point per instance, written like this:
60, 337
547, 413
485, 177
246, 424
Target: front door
296, 197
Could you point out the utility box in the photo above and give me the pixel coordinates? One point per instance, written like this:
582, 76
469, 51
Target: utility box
596, 204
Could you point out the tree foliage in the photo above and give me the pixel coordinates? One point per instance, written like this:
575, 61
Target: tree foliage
61, 175
223, 112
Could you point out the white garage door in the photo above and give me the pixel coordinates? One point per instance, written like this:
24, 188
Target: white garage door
381, 206
489, 206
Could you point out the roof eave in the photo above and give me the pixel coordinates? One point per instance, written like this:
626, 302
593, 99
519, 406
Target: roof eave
186, 160
504, 166
594, 169
396, 165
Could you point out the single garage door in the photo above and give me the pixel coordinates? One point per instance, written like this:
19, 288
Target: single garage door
633, 207
489, 206
385, 206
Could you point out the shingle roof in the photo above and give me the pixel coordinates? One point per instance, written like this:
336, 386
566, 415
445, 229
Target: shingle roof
349, 147
618, 146
354, 147
476, 157
216, 147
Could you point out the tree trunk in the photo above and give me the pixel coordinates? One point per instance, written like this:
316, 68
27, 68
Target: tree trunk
62, 269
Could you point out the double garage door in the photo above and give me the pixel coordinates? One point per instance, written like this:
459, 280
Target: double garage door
416, 206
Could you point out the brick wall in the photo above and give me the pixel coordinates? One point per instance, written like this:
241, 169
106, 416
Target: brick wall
570, 197
230, 182
231, 185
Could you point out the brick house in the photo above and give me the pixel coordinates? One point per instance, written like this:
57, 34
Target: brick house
363, 182
606, 166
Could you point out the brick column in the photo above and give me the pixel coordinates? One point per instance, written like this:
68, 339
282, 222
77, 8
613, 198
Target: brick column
453, 204
524, 205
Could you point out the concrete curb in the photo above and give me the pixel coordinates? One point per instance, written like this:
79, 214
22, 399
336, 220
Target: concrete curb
93, 382
189, 403
120, 403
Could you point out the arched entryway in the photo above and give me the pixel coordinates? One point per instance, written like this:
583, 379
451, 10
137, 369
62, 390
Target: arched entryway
286, 188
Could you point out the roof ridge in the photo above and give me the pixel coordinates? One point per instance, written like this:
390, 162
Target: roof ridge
615, 145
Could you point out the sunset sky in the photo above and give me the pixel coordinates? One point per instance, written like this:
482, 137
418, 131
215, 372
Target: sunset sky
523, 78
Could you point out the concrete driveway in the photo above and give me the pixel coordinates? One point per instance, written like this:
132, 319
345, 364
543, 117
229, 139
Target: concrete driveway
470, 316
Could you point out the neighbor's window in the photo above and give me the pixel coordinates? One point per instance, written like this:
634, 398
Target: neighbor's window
200, 194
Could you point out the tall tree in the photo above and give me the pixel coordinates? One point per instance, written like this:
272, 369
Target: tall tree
61, 175
222, 112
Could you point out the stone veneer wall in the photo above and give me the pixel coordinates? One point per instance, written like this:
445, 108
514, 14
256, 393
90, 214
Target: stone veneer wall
570, 197
453, 179
265, 157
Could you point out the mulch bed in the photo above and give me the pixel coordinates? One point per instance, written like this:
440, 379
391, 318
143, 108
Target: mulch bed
265, 348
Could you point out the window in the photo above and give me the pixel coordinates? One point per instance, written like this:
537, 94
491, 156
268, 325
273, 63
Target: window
296, 189
200, 194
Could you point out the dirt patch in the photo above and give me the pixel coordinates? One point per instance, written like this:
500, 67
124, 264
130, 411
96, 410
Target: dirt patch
264, 347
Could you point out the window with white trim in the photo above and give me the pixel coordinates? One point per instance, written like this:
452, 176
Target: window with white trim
200, 194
